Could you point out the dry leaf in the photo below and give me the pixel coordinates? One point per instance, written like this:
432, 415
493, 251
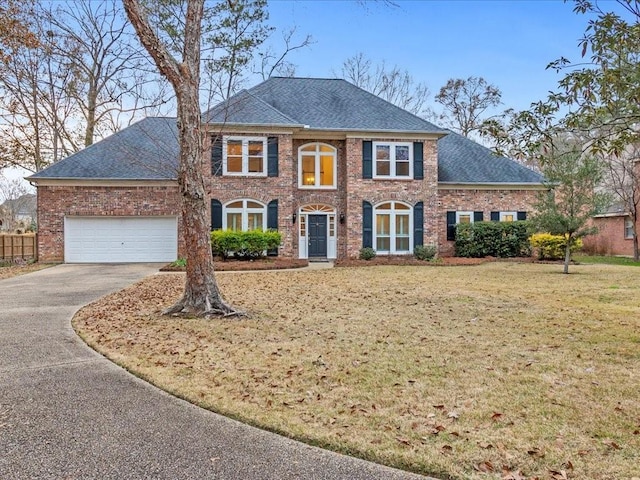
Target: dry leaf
484, 467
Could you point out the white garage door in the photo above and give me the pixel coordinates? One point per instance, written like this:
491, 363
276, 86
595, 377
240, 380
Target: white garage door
120, 239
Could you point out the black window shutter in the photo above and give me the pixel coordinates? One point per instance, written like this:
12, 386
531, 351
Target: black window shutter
495, 216
216, 214
272, 215
478, 216
418, 224
522, 216
418, 161
367, 159
367, 224
216, 156
272, 156
451, 226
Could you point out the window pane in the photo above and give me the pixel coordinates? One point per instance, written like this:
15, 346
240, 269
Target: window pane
251, 204
383, 168
308, 170
383, 152
402, 169
309, 148
402, 206
254, 221
402, 224
237, 204
384, 206
464, 218
383, 244
234, 221
255, 164
303, 225
326, 149
382, 224
326, 170
234, 148
402, 153
255, 148
234, 164
507, 218
402, 244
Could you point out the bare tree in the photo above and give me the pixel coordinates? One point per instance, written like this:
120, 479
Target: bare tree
111, 74
623, 179
273, 63
392, 84
465, 102
201, 296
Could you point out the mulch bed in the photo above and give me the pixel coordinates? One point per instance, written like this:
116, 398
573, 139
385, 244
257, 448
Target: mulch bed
244, 265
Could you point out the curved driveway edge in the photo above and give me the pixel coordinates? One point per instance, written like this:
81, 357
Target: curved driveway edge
68, 413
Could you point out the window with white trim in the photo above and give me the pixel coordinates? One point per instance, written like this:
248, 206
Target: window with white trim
464, 217
317, 166
393, 228
392, 160
628, 228
244, 156
244, 215
508, 216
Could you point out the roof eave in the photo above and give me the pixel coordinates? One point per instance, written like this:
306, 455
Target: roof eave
493, 185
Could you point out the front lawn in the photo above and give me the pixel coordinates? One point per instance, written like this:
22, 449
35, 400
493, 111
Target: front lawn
608, 260
501, 370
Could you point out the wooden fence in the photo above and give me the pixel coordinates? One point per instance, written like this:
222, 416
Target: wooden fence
13, 247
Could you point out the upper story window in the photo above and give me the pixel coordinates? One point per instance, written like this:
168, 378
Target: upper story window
628, 228
244, 215
317, 166
244, 156
392, 160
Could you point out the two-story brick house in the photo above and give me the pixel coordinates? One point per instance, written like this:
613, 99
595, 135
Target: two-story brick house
331, 166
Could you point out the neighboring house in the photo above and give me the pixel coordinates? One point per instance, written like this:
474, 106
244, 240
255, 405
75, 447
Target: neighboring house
18, 213
614, 235
331, 166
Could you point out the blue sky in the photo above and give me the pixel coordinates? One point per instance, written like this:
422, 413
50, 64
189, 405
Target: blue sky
508, 42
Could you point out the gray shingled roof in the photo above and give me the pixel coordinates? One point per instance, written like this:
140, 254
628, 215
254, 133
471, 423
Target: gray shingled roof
461, 160
319, 103
147, 150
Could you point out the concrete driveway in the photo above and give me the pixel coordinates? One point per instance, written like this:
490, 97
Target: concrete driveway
68, 413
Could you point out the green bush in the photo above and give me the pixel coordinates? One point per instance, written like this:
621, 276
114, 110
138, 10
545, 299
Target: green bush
492, 239
244, 245
367, 253
425, 252
552, 247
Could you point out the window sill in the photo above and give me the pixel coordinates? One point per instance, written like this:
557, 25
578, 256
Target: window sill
308, 187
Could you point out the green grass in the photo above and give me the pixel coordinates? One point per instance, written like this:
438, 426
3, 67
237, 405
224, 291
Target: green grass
606, 260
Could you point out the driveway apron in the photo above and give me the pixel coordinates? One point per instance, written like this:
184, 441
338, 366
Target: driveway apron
68, 413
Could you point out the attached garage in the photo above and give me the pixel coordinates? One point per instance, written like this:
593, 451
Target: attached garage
120, 239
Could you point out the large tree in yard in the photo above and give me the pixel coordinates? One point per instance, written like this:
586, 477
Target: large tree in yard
201, 296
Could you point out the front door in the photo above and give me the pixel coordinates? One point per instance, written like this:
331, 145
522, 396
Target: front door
317, 236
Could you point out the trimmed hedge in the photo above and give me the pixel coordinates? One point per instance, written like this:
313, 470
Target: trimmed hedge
552, 247
243, 245
493, 239
425, 252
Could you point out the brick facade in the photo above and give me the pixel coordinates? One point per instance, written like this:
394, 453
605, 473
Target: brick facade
483, 200
610, 239
56, 202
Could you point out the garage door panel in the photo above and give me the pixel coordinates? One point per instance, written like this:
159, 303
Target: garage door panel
120, 239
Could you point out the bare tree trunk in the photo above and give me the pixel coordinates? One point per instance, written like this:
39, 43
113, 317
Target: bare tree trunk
201, 295
567, 255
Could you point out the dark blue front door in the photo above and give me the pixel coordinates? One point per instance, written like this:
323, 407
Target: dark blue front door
317, 236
